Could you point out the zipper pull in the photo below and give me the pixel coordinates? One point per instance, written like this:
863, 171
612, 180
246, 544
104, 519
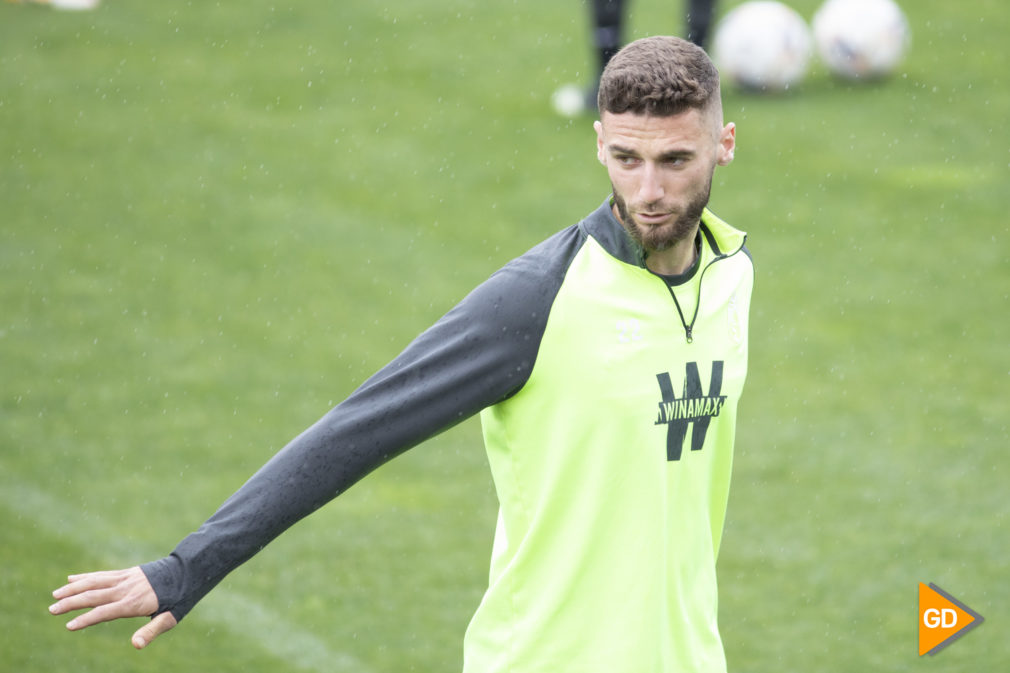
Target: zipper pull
688, 329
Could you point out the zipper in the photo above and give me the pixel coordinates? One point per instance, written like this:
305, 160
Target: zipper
689, 326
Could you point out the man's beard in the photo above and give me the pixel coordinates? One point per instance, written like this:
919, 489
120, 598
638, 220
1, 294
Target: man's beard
664, 236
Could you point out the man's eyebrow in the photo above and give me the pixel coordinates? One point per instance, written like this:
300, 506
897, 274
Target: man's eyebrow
665, 156
617, 149
676, 154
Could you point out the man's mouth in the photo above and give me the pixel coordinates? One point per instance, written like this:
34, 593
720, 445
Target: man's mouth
652, 218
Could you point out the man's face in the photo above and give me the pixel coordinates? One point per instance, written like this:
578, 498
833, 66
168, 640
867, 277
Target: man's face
661, 170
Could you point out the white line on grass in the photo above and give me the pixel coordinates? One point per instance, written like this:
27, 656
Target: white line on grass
237, 613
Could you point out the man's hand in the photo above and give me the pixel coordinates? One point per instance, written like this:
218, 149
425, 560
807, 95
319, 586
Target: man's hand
112, 594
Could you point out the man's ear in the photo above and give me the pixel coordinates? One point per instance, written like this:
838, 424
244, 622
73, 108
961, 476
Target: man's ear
727, 144
600, 154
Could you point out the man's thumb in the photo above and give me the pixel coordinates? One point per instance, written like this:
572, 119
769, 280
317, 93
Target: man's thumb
153, 629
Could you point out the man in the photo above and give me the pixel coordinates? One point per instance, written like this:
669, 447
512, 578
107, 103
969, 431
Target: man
606, 364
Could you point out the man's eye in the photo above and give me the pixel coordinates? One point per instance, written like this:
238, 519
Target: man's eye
627, 161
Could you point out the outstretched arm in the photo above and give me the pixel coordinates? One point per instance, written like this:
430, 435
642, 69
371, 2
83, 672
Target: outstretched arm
478, 354
112, 594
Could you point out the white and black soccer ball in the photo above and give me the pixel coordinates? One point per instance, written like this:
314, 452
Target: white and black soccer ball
762, 45
861, 39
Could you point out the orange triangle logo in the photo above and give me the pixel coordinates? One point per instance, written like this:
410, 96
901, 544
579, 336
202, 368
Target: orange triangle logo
942, 619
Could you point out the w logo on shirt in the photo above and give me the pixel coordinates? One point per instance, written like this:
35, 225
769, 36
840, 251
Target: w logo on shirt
693, 406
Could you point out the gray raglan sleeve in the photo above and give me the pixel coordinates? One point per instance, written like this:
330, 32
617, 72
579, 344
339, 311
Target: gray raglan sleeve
479, 353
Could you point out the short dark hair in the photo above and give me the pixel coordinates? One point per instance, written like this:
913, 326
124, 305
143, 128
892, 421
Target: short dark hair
660, 76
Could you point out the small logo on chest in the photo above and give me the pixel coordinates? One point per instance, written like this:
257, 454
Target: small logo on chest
693, 407
628, 331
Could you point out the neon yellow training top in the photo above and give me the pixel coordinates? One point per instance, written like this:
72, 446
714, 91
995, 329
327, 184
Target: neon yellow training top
612, 467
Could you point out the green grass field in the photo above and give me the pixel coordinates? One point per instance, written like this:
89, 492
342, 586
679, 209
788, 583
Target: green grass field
217, 218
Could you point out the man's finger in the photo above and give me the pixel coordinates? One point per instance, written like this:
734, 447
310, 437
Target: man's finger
102, 613
77, 584
99, 575
153, 629
87, 599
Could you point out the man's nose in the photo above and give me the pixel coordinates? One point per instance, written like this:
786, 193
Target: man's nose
651, 189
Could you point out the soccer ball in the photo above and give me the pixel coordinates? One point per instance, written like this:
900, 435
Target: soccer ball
762, 45
569, 101
74, 5
861, 39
